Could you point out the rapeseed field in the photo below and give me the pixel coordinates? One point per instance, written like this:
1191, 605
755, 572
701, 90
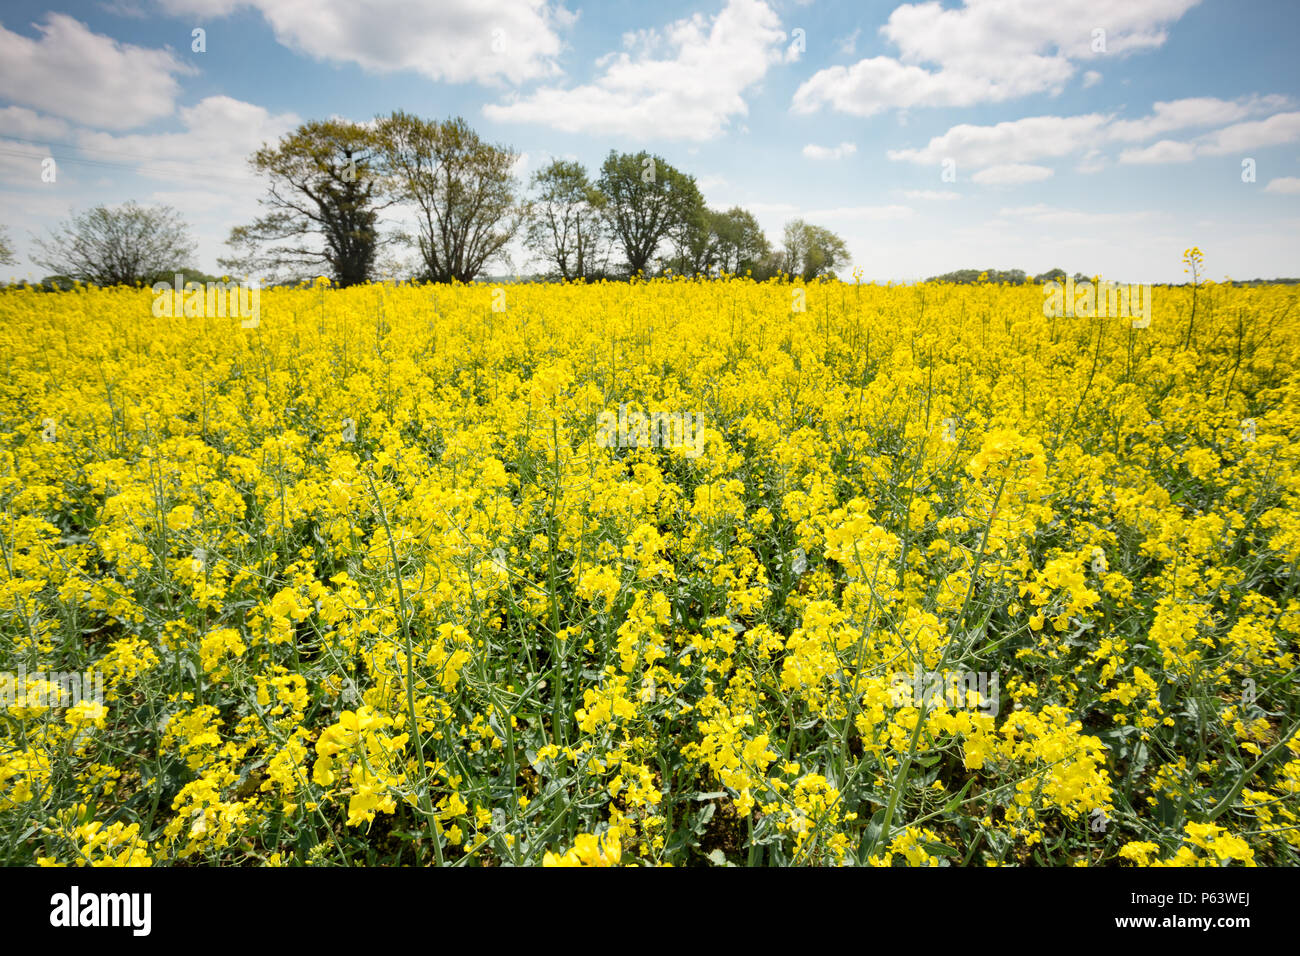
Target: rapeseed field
667, 572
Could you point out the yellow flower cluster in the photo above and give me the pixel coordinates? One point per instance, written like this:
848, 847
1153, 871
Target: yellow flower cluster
364, 584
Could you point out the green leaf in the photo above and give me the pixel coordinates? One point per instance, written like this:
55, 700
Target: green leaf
961, 795
941, 849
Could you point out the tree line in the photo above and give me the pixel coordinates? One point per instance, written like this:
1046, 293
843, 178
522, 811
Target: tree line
329, 183
1009, 276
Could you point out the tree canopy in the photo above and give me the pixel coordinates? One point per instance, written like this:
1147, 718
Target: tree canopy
811, 251
326, 188
464, 190
118, 245
565, 221
646, 202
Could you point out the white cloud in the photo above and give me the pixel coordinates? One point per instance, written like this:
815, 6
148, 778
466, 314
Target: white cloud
1283, 184
219, 135
1093, 162
1091, 78
28, 124
86, 77
690, 92
488, 41
986, 51
1011, 174
1036, 138
201, 169
1278, 129
21, 166
812, 151
798, 41
1257, 134
1014, 141
1165, 151
1190, 113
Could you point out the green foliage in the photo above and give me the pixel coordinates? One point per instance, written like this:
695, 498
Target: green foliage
1012, 276
7, 257
741, 245
464, 190
565, 223
646, 202
811, 251
324, 195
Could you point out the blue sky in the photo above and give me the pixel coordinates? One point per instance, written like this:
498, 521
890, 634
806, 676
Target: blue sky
1102, 136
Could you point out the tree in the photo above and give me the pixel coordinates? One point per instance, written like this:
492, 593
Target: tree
812, 251
696, 243
125, 245
646, 201
325, 193
971, 276
464, 190
565, 223
712, 242
741, 245
7, 257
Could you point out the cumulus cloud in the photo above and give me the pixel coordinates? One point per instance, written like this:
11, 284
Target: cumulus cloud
73, 73
219, 134
28, 124
1036, 138
683, 83
987, 51
812, 151
1283, 184
1192, 112
487, 41
1013, 141
1276, 130
1165, 151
